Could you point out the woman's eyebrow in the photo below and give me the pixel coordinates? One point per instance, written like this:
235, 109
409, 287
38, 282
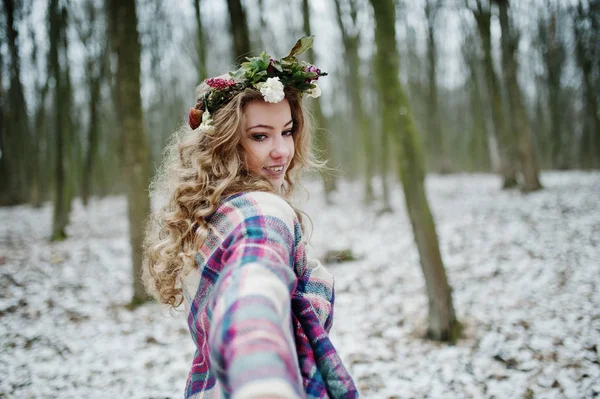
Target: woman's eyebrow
268, 126
263, 126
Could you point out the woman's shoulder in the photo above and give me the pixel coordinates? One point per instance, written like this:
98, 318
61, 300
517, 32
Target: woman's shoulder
257, 204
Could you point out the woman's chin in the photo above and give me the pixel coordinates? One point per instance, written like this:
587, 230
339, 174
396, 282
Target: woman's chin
276, 182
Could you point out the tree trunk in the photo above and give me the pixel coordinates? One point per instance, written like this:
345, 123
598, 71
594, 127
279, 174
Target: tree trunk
71, 143
586, 35
482, 151
37, 191
507, 144
354, 84
442, 320
14, 164
126, 43
435, 137
520, 123
200, 43
483, 154
322, 134
592, 126
96, 65
541, 126
385, 171
554, 58
239, 30
93, 134
61, 206
4, 173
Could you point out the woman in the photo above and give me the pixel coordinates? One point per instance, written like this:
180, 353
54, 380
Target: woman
229, 244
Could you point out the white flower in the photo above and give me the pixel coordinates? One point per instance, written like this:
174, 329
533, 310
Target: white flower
206, 125
315, 92
272, 90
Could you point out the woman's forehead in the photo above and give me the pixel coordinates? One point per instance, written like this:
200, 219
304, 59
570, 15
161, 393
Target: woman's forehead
264, 113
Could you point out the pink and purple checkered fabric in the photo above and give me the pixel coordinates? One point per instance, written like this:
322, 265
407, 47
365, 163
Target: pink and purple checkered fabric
258, 312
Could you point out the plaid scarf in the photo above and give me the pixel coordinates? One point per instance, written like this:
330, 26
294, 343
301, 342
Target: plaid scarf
259, 313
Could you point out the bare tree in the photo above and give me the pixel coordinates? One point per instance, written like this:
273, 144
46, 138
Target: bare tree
434, 137
507, 143
125, 42
354, 83
4, 170
62, 121
95, 64
40, 132
587, 49
482, 146
200, 42
397, 118
16, 141
520, 121
239, 29
554, 55
322, 134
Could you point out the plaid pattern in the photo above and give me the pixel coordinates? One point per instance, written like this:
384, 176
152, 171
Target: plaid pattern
258, 312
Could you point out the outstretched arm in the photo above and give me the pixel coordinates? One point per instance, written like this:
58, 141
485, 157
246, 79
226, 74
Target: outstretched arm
251, 340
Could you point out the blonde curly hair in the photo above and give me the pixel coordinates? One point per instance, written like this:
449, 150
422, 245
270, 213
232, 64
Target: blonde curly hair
198, 171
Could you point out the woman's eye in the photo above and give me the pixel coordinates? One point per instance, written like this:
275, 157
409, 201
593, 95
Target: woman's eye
259, 137
288, 132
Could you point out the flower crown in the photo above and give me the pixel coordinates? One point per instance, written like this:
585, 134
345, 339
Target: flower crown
262, 73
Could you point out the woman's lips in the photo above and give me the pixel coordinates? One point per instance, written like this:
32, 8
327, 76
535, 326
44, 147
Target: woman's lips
274, 169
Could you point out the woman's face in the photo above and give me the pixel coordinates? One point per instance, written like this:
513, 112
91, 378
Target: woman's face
267, 139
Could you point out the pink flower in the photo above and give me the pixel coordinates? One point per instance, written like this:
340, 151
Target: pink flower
312, 68
219, 83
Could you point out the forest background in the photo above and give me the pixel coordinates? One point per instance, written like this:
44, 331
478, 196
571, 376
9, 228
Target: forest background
91, 90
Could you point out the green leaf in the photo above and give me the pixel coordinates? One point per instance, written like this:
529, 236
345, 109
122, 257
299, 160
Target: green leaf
237, 75
258, 76
299, 75
256, 64
289, 60
277, 66
265, 60
303, 44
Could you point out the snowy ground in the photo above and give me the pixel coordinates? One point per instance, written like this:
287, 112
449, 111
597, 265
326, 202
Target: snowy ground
525, 271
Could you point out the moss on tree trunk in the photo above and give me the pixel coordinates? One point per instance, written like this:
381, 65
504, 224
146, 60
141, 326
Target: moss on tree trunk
397, 119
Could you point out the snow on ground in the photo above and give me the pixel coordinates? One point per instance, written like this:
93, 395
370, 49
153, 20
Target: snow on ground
525, 270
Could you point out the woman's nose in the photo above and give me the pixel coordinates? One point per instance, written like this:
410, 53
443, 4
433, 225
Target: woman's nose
280, 149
